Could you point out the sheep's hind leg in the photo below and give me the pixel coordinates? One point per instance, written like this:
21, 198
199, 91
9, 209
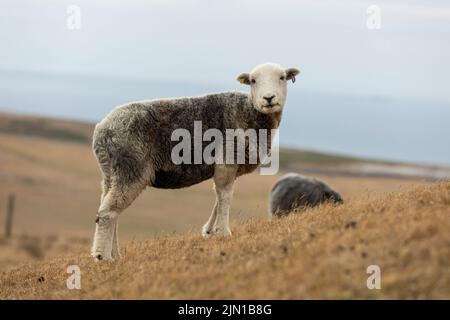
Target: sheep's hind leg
115, 251
117, 199
218, 223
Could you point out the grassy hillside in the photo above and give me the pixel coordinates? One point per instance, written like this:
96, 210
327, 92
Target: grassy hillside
49, 128
320, 253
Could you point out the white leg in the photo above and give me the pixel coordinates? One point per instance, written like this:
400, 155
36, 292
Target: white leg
207, 228
117, 199
104, 235
222, 223
219, 222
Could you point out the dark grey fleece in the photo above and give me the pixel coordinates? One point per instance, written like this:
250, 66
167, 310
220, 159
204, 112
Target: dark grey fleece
296, 192
133, 143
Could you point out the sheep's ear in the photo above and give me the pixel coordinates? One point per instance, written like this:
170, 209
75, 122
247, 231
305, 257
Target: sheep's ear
291, 73
244, 78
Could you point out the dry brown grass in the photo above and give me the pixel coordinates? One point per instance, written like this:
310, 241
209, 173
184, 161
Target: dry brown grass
320, 253
24, 248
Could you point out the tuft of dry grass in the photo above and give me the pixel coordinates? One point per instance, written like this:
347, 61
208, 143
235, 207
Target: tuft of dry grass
320, 253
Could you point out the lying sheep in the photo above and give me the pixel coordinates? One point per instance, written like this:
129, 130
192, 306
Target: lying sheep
133, 147
296, 192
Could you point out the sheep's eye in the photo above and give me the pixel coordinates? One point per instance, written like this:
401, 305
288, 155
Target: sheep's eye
282, 78
253, 81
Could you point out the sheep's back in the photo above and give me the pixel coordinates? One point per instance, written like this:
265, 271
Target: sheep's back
139, 134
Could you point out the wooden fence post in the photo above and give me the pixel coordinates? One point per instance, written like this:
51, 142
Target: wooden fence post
9, 215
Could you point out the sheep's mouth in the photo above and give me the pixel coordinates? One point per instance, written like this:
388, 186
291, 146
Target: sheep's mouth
272, 105
271, 108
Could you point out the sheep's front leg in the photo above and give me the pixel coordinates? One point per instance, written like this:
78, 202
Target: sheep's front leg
224, 196
208, 227
219, 222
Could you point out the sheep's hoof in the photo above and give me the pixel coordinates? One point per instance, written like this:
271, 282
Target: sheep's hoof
206, 233
216, 232
225, 232
101, 257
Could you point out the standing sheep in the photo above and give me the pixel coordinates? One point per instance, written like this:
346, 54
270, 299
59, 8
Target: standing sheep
133, 146
294, 191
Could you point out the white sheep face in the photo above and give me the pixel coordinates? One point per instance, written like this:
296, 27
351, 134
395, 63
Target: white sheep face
268, 83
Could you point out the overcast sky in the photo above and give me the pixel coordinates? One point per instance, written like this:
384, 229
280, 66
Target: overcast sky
212, 41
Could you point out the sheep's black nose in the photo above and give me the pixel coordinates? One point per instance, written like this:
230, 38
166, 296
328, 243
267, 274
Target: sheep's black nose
269, 99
